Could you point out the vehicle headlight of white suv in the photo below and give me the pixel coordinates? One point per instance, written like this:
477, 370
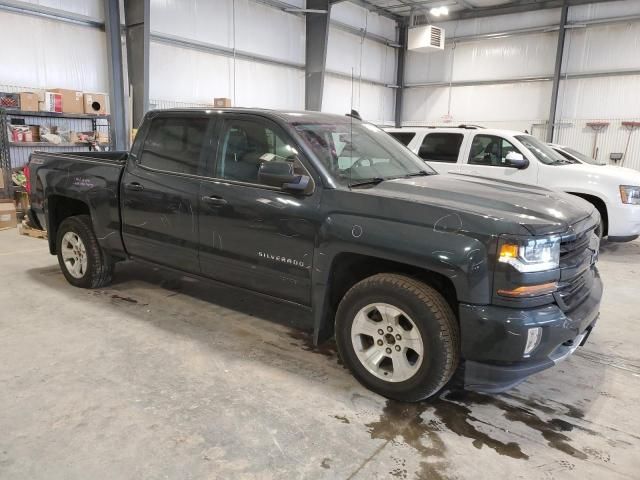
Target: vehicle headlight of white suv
630, 194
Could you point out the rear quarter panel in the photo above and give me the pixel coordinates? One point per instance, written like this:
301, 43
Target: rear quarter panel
92, 181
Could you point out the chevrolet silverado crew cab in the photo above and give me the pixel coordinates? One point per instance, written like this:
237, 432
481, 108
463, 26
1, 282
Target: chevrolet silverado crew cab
414, 273
518, 157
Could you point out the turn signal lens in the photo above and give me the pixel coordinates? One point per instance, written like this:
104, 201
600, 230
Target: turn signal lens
530, 290
508, 250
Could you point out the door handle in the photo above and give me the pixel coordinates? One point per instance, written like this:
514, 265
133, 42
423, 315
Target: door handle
214, 200
134, 186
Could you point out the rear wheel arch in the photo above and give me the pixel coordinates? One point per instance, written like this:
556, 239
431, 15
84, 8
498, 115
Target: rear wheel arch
600, 205
60, 208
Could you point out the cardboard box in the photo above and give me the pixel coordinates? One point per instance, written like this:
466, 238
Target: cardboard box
52, 102
95, 103
7, 214
72, 100
222, 102
28, 102
10, 100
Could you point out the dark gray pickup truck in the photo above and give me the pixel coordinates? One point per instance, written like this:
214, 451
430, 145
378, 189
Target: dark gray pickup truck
416, 274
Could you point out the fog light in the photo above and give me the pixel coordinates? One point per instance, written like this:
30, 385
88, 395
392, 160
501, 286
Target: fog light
533, 340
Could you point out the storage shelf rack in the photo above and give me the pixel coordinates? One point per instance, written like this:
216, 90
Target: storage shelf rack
16, 154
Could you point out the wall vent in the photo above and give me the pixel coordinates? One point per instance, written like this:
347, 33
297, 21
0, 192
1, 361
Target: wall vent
425, 38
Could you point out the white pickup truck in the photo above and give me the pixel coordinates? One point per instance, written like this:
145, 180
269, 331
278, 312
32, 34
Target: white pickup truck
522, 158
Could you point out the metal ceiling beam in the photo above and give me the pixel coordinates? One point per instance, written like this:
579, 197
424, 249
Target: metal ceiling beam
316, 41
361, 32
31, 9
138, 35
174, 40
521, 6
379, 10
117, 102
402, 36
557, 72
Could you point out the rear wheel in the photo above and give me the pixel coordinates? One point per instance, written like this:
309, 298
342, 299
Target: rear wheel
398, 336
83, 263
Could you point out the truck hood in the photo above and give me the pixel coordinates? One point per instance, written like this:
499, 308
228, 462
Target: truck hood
505, 204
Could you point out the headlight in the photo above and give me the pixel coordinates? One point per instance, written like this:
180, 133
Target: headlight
630, 194
531, 255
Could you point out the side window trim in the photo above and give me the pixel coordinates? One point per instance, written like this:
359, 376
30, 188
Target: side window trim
210, 171
459, 138
498, 138
208, 145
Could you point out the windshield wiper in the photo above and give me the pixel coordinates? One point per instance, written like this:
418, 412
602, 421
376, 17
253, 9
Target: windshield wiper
421, 173
370, 181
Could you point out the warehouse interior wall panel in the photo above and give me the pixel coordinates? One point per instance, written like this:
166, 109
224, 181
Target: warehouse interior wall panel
198, 77
515, 105
52, 57
602, 48
600, 97
345, 51
488, 59
89, 8
500, 23
374, 103
260, 29
595, 11
361, 18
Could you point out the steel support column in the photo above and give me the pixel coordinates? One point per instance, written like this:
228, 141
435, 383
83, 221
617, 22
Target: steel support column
137, 28
316, 53
118, 122
557, 71
402, 39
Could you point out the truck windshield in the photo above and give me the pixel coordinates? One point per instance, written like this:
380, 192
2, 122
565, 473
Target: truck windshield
542, 151
583, 157
358, 153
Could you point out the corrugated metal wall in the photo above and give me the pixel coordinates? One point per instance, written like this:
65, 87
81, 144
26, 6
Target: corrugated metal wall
503, 101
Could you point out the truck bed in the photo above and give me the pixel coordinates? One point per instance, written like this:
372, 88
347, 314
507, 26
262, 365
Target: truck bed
84, 182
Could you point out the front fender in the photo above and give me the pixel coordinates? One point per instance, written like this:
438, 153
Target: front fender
445, 249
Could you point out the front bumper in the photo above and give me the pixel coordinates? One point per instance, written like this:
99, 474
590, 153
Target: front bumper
494, 338
624, 223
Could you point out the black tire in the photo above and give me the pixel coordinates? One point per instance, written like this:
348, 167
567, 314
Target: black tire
431, 314
99, 269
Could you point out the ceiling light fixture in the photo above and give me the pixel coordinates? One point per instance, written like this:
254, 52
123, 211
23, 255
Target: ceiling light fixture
438, 11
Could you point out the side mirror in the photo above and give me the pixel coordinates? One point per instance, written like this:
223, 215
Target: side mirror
281, 175
516, 160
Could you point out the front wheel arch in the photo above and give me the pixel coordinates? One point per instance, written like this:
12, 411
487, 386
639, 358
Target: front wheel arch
600, 205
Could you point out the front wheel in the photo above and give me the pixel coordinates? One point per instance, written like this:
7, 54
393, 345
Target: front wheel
83, 263
398, 336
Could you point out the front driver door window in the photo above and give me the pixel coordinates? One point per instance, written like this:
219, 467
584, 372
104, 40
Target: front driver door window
488, 158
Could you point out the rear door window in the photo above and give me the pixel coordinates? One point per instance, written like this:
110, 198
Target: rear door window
403, 137
174, 144
441, 147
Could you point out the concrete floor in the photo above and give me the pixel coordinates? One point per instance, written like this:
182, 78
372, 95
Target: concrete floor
161, 377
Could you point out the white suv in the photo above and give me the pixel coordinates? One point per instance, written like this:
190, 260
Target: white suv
518, 157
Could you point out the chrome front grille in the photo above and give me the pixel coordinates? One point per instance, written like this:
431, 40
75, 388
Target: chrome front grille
578, 255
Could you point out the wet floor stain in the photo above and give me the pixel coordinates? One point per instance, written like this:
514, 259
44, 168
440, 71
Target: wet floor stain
342, 418
453, 412
120, 298
328, 348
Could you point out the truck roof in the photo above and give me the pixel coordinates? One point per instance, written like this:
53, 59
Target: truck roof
462, 128
289, 116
